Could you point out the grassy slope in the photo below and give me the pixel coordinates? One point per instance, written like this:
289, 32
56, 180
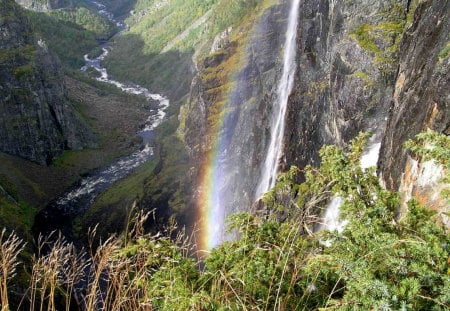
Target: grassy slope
136, 54
71, 33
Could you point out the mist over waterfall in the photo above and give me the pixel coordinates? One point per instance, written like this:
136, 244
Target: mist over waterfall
331, 219
252, 124
274, 152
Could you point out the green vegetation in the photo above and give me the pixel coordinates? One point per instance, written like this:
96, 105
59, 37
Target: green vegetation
382, 40
15, 214
22, 60
445, 52
158, 183
136, 54
368, 82
119, 7
164, 22
111, 207
90, 21
24, 71
71, 33
168, 187
378, 262
431, 146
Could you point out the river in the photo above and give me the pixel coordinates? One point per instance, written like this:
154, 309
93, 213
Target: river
59, 213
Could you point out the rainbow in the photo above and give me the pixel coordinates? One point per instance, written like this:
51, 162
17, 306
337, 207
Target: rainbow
211, 203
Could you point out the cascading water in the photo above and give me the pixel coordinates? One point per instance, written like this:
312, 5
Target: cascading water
230, 173
274, 151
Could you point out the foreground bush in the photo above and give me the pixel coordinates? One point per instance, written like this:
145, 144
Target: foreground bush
276, 262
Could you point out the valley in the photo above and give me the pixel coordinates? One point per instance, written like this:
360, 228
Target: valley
231, 155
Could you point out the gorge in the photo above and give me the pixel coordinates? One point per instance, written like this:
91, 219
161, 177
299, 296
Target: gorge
80, 198
262, 136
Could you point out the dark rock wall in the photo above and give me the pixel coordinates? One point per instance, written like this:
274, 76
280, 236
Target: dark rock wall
341, 88
362, 66
36, 121
421, 99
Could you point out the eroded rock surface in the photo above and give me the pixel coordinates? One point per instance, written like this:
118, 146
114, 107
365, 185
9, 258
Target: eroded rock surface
36, 121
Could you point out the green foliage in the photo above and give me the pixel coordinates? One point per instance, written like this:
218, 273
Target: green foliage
376, 263
445, 52
432, 146
71, 33
15, 214
166, 187
24, 71
258, 270
136, 54
110, 208
229, 13
162, 23
382, 40
364, 39
88, 20
368, 82
22, 60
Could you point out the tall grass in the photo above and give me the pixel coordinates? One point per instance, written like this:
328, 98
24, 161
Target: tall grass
10, 247
111, 276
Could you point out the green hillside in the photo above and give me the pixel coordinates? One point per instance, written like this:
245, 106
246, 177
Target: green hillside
71, 33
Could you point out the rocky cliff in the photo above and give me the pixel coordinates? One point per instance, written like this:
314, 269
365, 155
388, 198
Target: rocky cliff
379, 66
228, 117
36, 120
420, 102
346, 69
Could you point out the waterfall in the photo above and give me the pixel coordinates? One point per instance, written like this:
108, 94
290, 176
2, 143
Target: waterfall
274, 151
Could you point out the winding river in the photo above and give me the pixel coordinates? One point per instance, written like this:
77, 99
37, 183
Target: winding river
80, 197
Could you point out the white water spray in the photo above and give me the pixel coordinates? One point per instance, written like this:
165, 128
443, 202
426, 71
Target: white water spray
331, 220
270, 168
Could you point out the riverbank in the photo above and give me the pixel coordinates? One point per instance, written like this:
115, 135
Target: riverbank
106, 113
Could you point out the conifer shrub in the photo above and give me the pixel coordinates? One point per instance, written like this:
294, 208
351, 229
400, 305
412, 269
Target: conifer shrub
275, 260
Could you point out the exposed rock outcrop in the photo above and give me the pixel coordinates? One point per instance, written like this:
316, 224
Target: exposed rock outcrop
36, 121
343, 85
229, 109
421, 101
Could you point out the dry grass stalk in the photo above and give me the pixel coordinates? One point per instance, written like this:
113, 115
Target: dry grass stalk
107, 278
10, 247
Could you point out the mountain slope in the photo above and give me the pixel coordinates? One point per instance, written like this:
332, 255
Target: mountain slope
37, 122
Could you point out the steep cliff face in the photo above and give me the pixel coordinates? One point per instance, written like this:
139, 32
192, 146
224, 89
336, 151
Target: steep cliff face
362, 66
346, 65
420, 102
229, 110
45, 5
36, 121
